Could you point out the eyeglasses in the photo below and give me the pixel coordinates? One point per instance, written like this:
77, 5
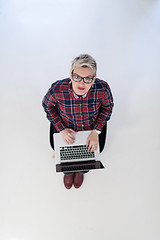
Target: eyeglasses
77, 78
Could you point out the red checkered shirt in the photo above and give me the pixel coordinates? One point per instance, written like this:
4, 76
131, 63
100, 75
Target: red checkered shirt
65, 109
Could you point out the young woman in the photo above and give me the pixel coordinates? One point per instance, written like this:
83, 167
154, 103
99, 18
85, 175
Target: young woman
80, 102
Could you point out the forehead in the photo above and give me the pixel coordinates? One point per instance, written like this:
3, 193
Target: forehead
83, 72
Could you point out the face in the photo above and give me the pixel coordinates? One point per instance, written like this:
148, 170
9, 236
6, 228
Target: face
80, 88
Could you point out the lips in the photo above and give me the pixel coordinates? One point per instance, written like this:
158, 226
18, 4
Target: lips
81, 89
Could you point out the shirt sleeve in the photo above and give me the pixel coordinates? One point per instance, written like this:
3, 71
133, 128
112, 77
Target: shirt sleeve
49, 104
105, 109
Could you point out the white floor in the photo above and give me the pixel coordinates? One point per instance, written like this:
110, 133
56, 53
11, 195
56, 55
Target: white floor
38, 41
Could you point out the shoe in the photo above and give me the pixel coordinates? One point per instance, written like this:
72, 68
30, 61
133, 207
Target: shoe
78, 179
68, 180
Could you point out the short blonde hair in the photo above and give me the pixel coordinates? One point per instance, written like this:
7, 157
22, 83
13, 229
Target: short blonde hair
84, 60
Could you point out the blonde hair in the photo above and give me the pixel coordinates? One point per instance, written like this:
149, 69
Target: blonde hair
84, 60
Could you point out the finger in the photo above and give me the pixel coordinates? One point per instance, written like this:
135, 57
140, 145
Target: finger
71, 130
70, 139
66, 140
90, 147
95, 147
70, 136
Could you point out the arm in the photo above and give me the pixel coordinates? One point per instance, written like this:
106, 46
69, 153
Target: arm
49, 104
105, 112
105, 109
92, 141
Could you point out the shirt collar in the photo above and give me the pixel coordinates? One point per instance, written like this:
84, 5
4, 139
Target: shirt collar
75, 95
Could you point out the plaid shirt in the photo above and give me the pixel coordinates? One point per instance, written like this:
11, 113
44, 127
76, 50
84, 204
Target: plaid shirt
65, 109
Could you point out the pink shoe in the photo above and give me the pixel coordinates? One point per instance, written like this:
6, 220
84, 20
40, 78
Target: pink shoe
78, 179
68, 180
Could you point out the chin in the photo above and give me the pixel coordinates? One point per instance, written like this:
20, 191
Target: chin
81, 93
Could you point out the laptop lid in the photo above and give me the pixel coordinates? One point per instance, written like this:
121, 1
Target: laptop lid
66, 161
62, 149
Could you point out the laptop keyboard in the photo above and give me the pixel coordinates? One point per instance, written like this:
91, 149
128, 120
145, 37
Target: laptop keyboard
75, 152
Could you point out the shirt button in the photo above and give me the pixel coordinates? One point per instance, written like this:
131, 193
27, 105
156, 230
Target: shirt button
82, 125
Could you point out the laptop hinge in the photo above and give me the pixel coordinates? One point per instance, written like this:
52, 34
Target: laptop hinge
79, 166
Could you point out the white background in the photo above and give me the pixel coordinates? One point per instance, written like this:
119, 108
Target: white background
38, 40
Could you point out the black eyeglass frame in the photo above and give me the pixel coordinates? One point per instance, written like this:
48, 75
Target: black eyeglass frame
82, 78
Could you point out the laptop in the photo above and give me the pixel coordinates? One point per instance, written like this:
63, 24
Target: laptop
75, 157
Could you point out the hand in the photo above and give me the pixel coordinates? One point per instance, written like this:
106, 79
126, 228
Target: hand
92, 141
67, 135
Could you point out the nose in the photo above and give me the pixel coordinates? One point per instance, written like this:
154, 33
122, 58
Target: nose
82, 82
